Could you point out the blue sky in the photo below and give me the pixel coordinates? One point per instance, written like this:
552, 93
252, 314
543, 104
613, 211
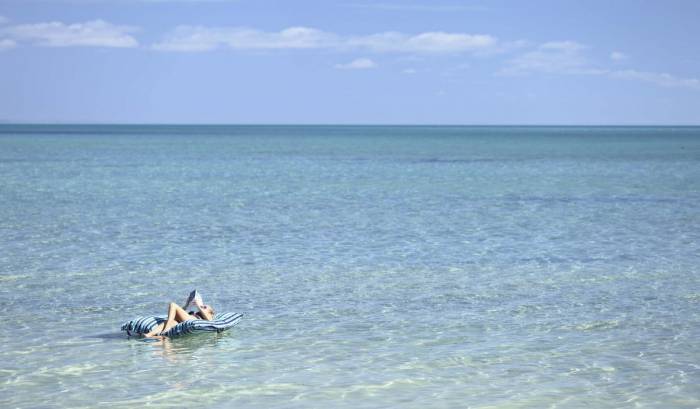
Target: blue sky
350, 61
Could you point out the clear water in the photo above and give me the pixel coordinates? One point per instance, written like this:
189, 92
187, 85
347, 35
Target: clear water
413, 267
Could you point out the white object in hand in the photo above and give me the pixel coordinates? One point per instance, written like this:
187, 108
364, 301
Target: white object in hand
193, 300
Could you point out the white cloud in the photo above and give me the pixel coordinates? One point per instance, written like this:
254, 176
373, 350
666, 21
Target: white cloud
553, 57
567, 57
618, 56
6, 44
357, 64
556, 57
662, 79
200, 38
428, 42
563, 46
96, 33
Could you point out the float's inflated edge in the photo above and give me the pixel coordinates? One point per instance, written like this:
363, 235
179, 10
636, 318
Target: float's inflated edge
221, 322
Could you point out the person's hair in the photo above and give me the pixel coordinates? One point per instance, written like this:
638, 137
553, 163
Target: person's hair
200, 315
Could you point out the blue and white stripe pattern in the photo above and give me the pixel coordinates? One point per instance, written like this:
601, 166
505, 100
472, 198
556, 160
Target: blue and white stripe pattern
221, 322
141, 325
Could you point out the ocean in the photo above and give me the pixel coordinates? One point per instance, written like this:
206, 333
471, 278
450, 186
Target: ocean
377, 266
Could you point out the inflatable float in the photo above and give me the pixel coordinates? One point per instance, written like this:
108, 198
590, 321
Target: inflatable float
220, 323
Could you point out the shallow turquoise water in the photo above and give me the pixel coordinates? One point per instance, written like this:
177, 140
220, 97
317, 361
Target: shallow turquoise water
413, 267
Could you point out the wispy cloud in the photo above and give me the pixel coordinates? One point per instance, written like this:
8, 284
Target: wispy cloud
357, 64
563, 46
618, 56
556, 57
662, 79
567, 57
6, 44
552, 57
95, 33
200, 38
428, 42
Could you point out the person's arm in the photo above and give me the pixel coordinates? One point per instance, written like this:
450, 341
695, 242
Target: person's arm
205, 311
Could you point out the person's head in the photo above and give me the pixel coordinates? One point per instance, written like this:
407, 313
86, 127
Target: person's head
205, 307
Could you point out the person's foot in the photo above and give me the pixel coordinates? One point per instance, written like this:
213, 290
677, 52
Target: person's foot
155, 332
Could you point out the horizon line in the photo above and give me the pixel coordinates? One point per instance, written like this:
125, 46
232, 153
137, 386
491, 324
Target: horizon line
22, 123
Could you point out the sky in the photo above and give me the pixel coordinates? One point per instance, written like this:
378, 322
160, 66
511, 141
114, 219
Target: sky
350, 62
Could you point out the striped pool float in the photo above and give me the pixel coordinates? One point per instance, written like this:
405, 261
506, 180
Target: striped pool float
220, 323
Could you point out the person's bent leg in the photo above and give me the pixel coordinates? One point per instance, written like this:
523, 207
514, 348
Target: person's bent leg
180, 313
175, 315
